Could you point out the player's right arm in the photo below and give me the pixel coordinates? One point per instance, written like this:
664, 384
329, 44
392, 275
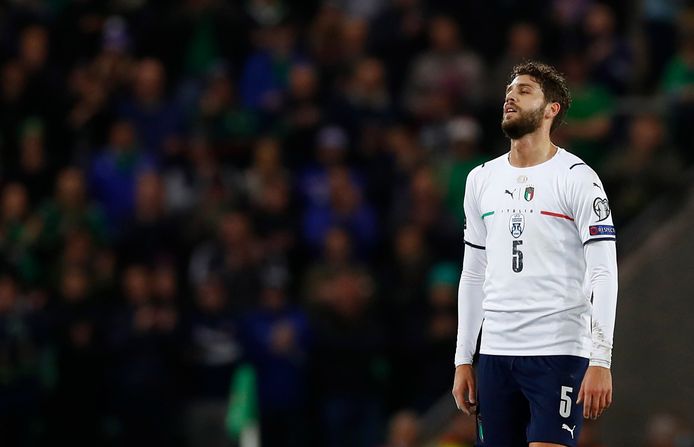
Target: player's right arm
470, 297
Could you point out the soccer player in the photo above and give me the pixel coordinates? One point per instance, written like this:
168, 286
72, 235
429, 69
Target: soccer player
539, 280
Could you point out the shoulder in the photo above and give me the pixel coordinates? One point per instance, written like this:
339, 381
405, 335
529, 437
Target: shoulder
575, 168
486, 169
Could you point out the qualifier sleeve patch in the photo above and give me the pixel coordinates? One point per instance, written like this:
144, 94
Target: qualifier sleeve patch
602, 230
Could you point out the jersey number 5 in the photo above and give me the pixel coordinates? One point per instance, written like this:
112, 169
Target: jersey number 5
517, 257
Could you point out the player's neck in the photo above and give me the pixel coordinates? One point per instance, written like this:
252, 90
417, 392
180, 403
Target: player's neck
531, 149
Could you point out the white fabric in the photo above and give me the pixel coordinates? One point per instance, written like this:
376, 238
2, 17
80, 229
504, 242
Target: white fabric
538, 300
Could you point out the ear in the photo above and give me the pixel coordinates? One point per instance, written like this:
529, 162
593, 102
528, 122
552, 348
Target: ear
552, 109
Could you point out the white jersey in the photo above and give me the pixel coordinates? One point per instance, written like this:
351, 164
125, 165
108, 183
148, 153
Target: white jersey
533, 224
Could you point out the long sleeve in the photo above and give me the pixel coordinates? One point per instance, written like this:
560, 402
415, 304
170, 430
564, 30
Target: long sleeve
601, 266
470, 294
470, 297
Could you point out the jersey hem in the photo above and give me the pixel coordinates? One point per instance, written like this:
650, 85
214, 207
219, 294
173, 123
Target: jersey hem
523, 353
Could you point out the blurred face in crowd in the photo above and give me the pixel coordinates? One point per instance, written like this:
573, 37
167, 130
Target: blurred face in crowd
78, 248
14, 202
70, 187
303, 83
33, 47
646, 134
149, 193
149, 81
443, 34
266, 158
409, 245
338, 246
353, 37
350, 294
13, 81
599, 21
211, 295
344, 195
74, 285
423, 186
369, 75
275, 196
218, 95
164, 283
234, 229
524, 107
136, 285
404, 430
122, 136
32, 156
8, 294
524, 40
575, 68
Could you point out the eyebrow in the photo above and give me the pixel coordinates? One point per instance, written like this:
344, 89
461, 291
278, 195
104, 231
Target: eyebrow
523, 84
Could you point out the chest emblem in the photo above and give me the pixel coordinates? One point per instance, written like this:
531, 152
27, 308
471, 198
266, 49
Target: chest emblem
529, 193
516, 225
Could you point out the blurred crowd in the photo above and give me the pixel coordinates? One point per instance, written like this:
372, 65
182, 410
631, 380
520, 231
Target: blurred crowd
188, 186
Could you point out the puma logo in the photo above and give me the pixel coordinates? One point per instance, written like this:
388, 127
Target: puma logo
570, 430
509, 192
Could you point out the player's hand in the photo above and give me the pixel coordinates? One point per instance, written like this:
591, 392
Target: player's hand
464, 390
595, 392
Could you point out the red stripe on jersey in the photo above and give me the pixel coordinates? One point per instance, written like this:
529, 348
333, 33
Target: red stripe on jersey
563, 216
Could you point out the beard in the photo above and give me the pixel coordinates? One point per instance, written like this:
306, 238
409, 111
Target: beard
525, 123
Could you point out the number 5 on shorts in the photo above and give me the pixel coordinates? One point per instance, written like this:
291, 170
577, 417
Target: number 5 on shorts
565, 402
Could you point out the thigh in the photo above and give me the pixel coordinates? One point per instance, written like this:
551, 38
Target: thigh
551, 384
503, 410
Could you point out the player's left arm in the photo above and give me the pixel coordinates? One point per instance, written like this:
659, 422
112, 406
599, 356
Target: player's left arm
596, 388
594, 223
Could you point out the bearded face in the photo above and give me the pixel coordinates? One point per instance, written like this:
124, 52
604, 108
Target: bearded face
522, 122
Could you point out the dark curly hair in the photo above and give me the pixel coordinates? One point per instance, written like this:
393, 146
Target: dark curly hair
551, 82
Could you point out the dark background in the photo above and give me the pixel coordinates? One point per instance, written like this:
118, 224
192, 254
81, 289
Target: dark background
189, 186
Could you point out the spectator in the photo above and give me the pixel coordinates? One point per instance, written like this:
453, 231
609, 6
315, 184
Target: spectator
465, 154
421, 204
403, 430
113, 173
609, 56
140, 373
678, 85
21, 395
439, 332
220, 117
34, 170
19, 232
588, 122
213, 351
234, 256
278, 342
264, 79
337, 254
348, 364
346, 208
151, 233
68, 211
447, 70
302, 114
644, 168
157, 121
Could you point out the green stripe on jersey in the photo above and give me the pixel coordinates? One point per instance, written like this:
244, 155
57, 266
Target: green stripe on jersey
487, 214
